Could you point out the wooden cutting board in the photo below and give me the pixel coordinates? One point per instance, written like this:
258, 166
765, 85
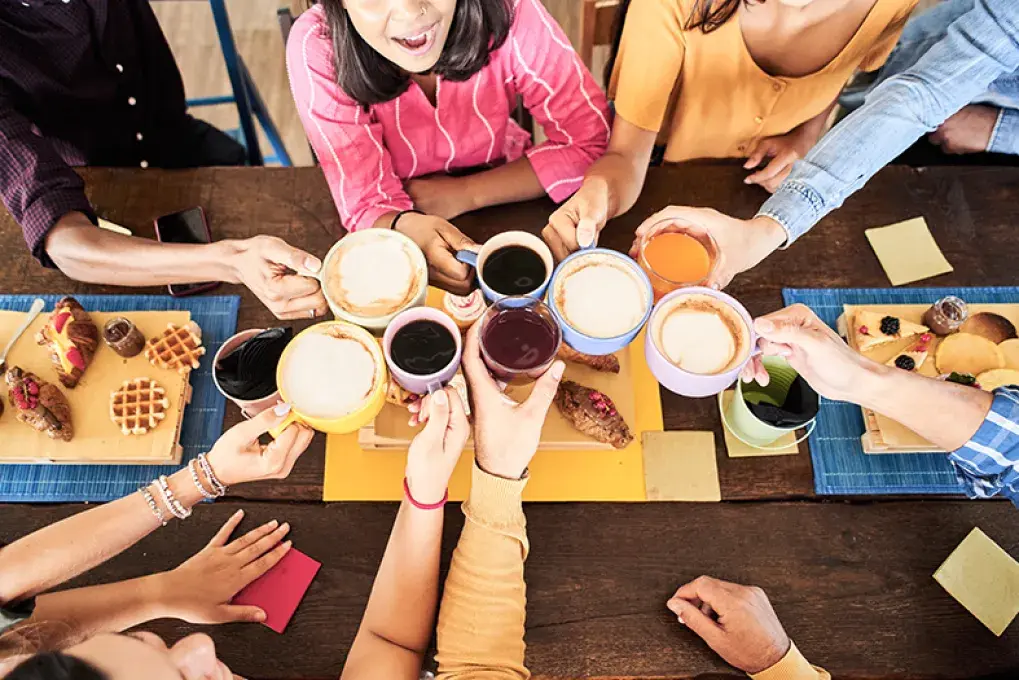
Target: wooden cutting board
884, 435
96, 438
391, 431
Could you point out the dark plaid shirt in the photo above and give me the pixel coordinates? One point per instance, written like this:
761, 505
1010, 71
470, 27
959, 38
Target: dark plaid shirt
82, 82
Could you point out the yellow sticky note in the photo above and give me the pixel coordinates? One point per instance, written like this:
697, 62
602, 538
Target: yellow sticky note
680, 466
785, 445
984, 579
907, 251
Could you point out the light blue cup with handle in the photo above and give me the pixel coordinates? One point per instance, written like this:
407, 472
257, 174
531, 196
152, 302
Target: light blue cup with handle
508, 238
613, 302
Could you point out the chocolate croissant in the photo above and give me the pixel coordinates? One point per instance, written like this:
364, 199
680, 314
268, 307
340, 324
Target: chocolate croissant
72, 339
593, 413
39, 404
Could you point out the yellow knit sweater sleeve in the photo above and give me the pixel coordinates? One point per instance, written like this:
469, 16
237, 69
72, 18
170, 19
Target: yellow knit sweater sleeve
793, 666
481, 619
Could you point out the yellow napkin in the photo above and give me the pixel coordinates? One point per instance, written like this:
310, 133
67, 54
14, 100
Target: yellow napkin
984, 579
907, 251
680, 466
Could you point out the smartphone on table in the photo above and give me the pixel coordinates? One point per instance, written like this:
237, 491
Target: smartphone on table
186, 226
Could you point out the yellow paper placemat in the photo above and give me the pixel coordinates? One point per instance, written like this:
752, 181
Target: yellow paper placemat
984, 579
907, 251
784, 446
354, 474
681, 466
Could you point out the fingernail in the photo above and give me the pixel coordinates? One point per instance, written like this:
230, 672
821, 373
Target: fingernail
765, 325
557, 369
440, 398
281, 409
239, 513
273, 523
288, 545
747, 181
716, 286
286, 526
681, 621
312, 264
260, 616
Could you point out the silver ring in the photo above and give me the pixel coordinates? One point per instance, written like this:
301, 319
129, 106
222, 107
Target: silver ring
311, 313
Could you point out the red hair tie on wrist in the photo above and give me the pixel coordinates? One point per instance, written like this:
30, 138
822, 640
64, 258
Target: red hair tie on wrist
423, 506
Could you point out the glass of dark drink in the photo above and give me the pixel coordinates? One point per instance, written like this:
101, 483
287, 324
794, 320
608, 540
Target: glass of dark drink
519, 339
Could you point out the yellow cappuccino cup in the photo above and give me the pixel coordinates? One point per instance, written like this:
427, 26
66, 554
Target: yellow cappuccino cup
333, 375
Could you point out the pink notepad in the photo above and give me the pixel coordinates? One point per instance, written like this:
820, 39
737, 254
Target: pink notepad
281, 589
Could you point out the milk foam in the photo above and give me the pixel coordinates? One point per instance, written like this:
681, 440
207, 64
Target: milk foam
328, 377
601, 299
372, 277
701, 335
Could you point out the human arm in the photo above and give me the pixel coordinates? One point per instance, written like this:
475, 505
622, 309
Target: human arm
447, 196
397, 625
977, 128
481, 620
981, 430
978, 47
197, 591
740, 625
61, 551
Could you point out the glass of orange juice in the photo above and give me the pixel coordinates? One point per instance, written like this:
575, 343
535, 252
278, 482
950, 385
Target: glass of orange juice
677, 255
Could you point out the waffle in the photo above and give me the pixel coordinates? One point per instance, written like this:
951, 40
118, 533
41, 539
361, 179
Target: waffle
138, 406
177, 349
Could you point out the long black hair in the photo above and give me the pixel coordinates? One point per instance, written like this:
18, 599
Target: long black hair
707, 15
55, 666
479, 26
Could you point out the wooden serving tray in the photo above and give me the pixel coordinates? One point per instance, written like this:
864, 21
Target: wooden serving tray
391, 431
96, 438
884, 435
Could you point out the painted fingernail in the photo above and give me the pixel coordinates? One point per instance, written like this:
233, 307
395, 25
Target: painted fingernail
239, 513
272, 524
286, 526
557, 369
281, 409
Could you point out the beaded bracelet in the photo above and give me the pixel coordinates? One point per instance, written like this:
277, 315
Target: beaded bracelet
423, 506
176, 509
193, 468
147, 495
217, 486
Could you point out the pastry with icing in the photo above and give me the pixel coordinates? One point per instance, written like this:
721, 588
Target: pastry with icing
39, 404
72, 339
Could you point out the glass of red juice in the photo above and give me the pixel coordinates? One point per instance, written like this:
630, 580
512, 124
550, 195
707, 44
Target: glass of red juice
519, 339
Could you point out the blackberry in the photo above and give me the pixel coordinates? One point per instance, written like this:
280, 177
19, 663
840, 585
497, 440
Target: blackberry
905, 363
890, 325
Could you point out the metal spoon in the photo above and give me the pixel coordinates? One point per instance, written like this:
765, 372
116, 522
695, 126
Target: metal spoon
37, 307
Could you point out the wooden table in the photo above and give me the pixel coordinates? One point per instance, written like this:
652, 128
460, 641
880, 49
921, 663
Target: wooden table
850, 580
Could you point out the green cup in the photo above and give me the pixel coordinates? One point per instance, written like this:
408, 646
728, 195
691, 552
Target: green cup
741, 421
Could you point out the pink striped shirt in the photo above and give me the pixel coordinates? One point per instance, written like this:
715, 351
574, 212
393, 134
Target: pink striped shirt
366, 156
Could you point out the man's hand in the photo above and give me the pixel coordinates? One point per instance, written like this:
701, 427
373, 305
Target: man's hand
783, 150
200, 589
736, 621
742, 244
578, 221
816, 352
439, 240
968, 131
440, 195
283, 277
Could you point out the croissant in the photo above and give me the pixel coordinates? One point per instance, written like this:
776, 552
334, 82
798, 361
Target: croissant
72, 339
606, 364
39, 404
592, 413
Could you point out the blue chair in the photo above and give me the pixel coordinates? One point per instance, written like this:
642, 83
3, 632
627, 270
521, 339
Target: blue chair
245, 96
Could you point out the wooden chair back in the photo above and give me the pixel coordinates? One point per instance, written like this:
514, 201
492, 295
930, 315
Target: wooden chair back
597, 20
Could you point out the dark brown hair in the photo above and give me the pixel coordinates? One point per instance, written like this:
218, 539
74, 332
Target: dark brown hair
707, 15
478, 28
55, 666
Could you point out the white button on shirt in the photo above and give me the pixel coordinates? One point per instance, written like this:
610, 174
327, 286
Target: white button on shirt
131, 101
144, 164
139, 136
120, 68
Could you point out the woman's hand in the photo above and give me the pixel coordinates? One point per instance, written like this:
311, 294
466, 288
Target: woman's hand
440, 195
238, 456
742, 244
506, 433
439, 241
783, 150
200, 590
436, 449
578, 221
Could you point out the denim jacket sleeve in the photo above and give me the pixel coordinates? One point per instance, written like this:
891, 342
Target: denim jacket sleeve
979, 46
1005, 138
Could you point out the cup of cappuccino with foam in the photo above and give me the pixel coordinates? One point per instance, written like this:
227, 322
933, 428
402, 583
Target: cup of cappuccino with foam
601, 299
370, 276
698, 340
333, 375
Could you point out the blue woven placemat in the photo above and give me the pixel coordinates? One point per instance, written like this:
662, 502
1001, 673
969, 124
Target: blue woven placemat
203, 418
840, 465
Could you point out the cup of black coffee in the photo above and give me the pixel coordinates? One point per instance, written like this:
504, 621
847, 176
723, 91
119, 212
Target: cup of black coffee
244, 368
519, 339
514, 263
422, 347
